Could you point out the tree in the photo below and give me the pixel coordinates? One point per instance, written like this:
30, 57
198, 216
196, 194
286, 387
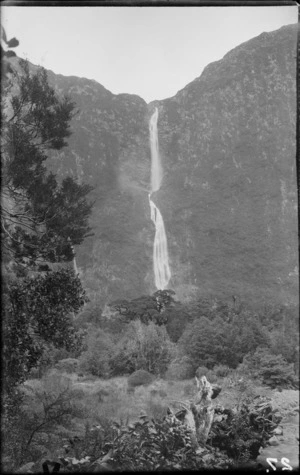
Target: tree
210, 342
196, 342
146, 347
36, 312
273, 370
41, 219
177, 320
148, 308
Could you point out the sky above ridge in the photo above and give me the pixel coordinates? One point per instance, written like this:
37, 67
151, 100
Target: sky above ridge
149, 51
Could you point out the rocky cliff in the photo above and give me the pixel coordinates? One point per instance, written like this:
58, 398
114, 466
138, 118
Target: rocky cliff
229, 193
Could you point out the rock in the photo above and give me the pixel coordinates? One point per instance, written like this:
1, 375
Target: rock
273, 441
278, 431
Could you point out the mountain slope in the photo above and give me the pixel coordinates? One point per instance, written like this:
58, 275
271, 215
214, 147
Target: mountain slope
229, 196
229, 141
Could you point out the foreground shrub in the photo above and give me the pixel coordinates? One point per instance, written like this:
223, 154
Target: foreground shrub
241, 433
273, 370
156, 445
140, 378
11, 430
36, 425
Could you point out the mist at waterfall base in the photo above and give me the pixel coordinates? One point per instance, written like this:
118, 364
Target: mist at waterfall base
162, 272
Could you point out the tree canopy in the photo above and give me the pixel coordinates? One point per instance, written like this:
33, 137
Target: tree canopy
41, 219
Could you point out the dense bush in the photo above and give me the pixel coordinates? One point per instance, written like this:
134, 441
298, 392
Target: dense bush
145, 347
273, 370
177, 320
37, 423
218, 341
285, 339
156, 445
38, 314
140, 378
206, 342
97, 358
162, 444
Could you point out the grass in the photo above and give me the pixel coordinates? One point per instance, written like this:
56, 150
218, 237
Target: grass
96, 401
95, 398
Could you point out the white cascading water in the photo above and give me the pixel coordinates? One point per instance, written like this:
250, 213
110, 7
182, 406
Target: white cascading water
75, 266
162, 273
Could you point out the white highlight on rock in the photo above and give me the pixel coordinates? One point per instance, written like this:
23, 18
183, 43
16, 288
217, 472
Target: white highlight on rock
162, 273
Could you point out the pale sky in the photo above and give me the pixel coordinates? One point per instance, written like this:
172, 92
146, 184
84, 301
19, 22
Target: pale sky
149, 51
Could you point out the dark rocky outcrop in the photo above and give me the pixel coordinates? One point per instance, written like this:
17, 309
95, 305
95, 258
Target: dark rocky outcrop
229, 196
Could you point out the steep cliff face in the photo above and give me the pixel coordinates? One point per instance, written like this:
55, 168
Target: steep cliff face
109, 149
228, 197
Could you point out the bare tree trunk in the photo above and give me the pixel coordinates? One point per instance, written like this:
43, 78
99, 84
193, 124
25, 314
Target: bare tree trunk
201, 414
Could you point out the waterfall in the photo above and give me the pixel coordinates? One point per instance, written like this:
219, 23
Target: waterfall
156, 168
75, 266
162, 273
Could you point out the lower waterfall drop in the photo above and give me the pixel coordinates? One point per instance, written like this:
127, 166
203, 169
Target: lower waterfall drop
162, 273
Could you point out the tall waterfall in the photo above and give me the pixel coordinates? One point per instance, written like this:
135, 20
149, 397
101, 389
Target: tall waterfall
156, 168
162, 273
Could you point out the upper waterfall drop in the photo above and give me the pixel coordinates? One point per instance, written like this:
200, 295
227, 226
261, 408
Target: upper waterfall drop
162, 273
156, 168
